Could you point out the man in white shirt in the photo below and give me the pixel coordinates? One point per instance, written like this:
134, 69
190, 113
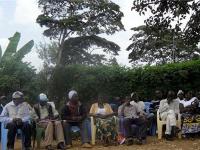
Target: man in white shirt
169, 109
16, 115
132, 114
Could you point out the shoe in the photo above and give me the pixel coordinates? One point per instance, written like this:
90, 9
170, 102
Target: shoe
129, 141
168, 137
28, 148
175, 130
68, 146
86, 145
61, 146
49, 147
121, 139
139, 142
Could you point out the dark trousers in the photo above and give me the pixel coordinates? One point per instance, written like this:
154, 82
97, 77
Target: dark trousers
141, 126
12, 130
83, 129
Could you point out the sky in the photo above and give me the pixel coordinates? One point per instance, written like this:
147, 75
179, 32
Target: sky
20, 15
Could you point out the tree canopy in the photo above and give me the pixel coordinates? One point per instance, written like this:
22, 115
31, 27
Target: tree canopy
65, 19
148, 48
180, 15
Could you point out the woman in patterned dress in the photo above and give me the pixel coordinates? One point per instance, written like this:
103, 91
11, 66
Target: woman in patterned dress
105, 121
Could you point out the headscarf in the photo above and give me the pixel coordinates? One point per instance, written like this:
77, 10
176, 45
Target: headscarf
73, 107
71, 94
180, 92
43, 97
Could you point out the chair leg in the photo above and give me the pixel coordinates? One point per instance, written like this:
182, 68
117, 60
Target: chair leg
93, 135
179, 134
159, 131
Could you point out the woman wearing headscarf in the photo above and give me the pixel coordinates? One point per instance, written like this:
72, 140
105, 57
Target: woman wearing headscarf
190, 118
105, 121
75, 114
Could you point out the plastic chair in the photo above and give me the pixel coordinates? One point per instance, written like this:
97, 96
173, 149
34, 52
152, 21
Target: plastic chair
93, 130
160, 124
4, 133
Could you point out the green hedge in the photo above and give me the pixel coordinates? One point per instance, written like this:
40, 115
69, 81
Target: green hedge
121, 81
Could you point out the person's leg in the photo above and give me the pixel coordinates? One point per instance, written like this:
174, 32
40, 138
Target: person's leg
170, 121
26, 130
48, 134
67, 133
59, 132
127, 127
142, 127
84, 131
150, 119
12, 130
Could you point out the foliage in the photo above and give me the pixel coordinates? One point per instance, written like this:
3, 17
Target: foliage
79, 50
120, 81
172, 14
147, 47
14, 73
79, 19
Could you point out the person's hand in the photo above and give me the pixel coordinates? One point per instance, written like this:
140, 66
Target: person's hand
176, 116
17, 121
126, 103
100, 116
76, 118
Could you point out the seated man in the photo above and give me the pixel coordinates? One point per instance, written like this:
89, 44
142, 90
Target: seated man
74, 114
169, 109
132, 115
16, 115
149, 116
46, 117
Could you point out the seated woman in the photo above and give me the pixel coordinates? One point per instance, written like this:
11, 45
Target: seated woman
105, 121
190, 121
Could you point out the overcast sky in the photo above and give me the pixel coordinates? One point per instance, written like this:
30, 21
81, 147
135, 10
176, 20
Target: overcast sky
20, 15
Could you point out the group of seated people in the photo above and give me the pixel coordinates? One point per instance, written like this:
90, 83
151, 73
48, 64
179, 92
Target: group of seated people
111, 126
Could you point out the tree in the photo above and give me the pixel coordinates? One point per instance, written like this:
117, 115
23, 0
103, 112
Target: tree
172, 14
148, 47
79, 50
67, 20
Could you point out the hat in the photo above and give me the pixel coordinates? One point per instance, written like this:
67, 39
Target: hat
17, 94
43, 97
180, 92
133, 94
71, 94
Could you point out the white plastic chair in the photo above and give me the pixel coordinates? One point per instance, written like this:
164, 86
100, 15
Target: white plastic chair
160, 124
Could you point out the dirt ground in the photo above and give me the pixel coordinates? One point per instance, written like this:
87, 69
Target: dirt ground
152, 144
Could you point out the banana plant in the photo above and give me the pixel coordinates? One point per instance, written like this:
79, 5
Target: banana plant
11, 52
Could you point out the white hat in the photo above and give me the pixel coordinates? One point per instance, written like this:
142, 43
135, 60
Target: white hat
132, 94
43, 97
180, 92
17, 94
72, 93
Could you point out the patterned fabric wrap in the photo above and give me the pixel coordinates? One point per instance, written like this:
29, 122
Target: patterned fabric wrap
191, 123
106, 127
